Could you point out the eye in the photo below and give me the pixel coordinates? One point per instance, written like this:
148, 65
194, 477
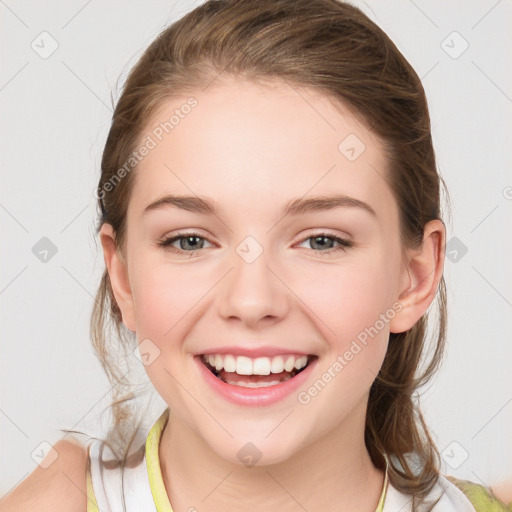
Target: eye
321, 240
188, 242
191, 242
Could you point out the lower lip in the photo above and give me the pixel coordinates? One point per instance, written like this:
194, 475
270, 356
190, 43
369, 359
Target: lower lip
254, 396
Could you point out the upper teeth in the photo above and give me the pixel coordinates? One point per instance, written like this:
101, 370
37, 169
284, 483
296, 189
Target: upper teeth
259, 366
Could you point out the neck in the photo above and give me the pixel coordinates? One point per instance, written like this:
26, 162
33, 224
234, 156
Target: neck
334, 473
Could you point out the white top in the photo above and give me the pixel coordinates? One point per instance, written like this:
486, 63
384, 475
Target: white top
144, 490
107, 485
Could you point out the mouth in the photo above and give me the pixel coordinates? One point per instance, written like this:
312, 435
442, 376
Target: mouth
257, 372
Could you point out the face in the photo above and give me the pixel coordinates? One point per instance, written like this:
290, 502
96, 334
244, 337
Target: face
265, 283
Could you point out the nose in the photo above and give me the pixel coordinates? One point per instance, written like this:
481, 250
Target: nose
253, 293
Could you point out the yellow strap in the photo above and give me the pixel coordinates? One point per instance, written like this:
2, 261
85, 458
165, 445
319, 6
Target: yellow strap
380, 505
92, 506
156, 480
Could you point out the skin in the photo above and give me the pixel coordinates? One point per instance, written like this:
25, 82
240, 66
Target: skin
252, 148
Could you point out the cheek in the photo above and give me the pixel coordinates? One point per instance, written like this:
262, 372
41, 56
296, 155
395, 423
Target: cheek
168, 300
346, 299
353, 305
165, 296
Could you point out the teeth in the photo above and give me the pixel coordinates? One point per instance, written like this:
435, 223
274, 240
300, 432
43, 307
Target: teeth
301, 362
257, 384
243, 365
230, 364
261, 366
290, 364
277, 365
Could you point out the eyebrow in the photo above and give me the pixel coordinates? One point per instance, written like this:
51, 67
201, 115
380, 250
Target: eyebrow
297, 206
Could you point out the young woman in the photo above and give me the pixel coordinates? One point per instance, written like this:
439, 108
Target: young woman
271, 228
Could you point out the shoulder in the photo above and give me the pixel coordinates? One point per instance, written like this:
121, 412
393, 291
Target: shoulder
61, 485
503, 490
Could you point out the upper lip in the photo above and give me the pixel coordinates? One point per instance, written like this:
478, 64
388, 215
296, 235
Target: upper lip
253, 352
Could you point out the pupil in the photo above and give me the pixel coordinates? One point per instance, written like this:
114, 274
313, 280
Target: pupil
187, 240
316, 239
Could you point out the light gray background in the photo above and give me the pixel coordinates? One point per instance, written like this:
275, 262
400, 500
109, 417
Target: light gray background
55, 117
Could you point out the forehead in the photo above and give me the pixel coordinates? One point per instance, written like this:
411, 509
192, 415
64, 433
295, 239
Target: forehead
252, 146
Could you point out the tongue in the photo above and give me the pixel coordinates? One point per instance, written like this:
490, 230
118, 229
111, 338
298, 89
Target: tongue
248, 379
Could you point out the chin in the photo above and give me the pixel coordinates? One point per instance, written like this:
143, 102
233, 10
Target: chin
257, 451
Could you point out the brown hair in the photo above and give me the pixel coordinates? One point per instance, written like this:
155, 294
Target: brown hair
334, 48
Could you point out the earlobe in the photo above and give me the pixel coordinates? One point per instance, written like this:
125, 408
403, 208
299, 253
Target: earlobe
118, 274
425, 269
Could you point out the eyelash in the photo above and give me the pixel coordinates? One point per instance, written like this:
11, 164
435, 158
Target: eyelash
343, 243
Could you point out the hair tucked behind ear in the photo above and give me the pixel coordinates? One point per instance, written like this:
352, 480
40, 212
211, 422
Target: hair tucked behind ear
334, 48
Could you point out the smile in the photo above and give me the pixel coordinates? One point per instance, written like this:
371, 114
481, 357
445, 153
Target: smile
245, 371
255, 381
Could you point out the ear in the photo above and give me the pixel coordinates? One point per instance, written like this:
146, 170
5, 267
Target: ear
118, 273
421, 275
